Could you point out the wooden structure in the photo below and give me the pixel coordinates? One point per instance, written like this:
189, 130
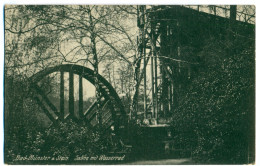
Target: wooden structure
170, 40
112, 111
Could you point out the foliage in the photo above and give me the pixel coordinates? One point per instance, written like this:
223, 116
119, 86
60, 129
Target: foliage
41, 36
216, 108
95, 36
66, 139
28, 131
71, 139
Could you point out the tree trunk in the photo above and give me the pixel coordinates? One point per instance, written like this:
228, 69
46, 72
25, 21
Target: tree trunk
95, 65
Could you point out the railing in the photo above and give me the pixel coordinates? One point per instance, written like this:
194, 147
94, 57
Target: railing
244, 13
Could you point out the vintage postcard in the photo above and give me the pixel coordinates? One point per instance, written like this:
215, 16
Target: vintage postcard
129, 84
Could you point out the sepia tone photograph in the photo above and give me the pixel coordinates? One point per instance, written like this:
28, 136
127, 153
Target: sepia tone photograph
129, 84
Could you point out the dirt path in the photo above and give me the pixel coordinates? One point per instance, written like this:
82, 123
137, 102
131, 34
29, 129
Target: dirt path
163, 162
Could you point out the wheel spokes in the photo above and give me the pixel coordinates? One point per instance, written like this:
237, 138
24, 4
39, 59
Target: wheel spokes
43, 98
89, 116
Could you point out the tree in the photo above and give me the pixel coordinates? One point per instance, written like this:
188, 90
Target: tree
38, 37
215, 113
51, 35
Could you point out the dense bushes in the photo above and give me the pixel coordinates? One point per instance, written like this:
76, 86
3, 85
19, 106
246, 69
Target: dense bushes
66, 139
28, 131
217, 108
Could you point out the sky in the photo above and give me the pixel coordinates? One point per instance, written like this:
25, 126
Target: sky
3, 2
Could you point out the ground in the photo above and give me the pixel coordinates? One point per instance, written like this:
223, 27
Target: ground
184, 161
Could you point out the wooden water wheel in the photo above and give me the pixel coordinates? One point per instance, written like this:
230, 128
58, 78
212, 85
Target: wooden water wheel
111, 111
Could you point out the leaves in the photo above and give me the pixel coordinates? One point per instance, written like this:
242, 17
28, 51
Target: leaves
218, 102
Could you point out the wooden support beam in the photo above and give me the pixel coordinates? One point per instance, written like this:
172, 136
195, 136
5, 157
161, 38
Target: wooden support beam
90, 114
170, 96
152, 84
156, 86
46, 99
45, 110
163, 52
71, 93
233, 12
62, 95
144, 54
92, 106
80, 97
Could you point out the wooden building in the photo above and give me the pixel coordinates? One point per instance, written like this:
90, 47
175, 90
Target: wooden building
173, 37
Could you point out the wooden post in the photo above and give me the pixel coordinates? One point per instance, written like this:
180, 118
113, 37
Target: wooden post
80, 97
145, 98
163, 51
156, 85
152, 85
233, 12
144, 54
62, 95
153, 42
170, 97
71, 93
